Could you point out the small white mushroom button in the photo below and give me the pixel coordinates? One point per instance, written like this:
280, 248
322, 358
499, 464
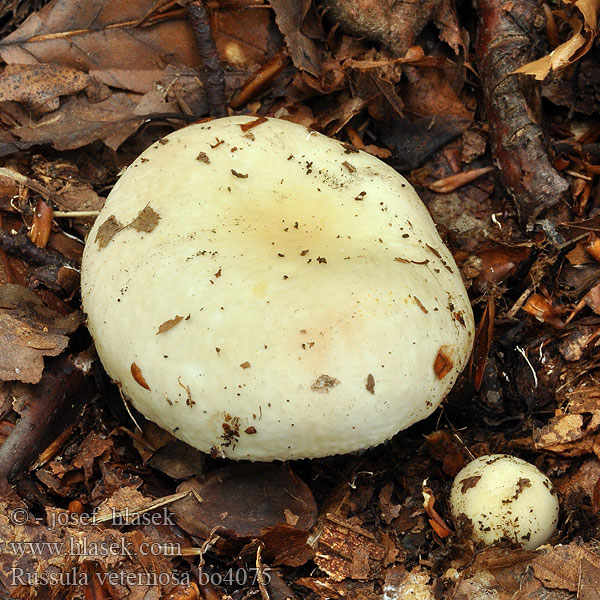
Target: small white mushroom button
500, 498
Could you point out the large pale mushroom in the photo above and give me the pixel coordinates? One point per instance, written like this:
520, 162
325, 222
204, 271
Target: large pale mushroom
265, 292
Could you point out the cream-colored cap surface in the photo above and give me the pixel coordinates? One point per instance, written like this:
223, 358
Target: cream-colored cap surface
501, 498
265, 292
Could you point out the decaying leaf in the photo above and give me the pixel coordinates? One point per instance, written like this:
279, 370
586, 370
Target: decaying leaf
179, 461
107, 231
40, 86
78, 122
327, 589
396, 25
502, 574
584, 30
146, 220
389, 510
574, 431
445, 448
574, 567
243, 500
303, 50
92, 447
30, 330
81, 34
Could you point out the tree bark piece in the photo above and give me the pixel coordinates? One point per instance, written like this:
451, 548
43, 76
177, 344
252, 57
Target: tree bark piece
509, 34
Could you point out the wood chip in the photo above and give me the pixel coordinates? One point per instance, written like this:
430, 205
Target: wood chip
136, 373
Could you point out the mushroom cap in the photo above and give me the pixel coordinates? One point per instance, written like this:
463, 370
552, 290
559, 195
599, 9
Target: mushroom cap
265, 292
498, 497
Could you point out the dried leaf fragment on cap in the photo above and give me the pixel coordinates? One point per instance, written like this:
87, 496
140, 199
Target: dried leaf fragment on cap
169, 324
146, 220
443, 362
324, 383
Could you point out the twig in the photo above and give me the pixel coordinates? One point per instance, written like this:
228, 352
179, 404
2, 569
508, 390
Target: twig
509, 34
570, 148
214, 79
27, 182
75, 213
259, 80
516, 307
453, 182
58, 399
131, 512
20, 246
260, 577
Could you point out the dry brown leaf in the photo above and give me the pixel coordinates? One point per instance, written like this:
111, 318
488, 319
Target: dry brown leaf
40, 86
444, 447
393, 24
146, 220
450, 30
244, 499
242, 47
79, 34
169, 324
564, 429
581, 481
29, 330
569, 568
573, 432
178, 460
126, 499
580, 42
91, 448
389, 510
284, 544
560, 57
107, 231
142, 42
77, 123
289, 16
503, 575
326, 589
